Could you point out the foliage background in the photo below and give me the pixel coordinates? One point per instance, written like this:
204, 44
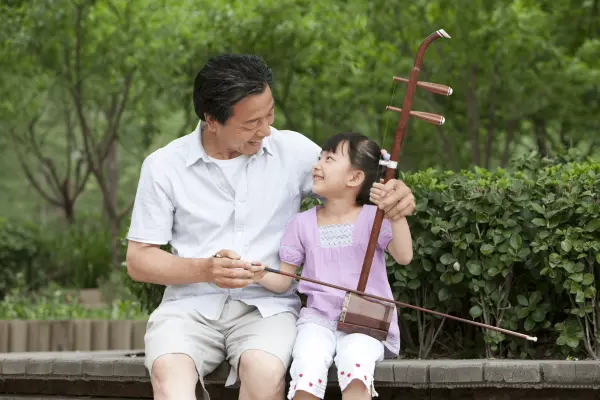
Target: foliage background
507, 188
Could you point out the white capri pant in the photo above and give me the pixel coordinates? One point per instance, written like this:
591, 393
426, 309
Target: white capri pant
317, 347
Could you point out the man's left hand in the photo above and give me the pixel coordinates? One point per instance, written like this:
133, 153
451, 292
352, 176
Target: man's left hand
394, 197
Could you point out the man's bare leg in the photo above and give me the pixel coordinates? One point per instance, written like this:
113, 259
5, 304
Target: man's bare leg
262, 376
174, 377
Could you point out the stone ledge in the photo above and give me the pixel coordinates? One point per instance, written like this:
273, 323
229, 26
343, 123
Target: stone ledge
124, 370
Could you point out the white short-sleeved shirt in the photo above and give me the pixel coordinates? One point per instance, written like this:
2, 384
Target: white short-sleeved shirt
183, 198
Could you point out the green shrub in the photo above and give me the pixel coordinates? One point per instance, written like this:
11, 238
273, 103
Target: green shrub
80, 254
54, 302
77, 256
517, 250
21, 252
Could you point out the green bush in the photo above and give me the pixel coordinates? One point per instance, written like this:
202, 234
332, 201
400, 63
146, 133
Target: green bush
54, 302
80, 254
76, 256
21, 255
517, 250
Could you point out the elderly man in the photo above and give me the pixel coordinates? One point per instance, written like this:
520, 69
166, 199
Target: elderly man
221, 196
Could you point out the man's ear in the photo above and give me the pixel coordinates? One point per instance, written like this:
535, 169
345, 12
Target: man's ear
356, 178
211, 123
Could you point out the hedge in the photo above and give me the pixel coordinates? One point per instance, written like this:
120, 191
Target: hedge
519, 250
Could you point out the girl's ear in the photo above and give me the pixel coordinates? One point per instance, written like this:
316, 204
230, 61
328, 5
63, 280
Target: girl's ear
356, 178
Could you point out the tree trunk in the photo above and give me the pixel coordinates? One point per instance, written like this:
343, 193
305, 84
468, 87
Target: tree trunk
473, 118
112, 186
539, 127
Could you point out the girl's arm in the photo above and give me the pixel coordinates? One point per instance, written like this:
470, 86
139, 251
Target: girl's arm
275, 282
400, 247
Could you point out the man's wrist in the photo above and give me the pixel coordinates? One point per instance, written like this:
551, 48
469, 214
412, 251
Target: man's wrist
201, 269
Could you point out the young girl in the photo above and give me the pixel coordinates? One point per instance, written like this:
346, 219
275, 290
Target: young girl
330, 242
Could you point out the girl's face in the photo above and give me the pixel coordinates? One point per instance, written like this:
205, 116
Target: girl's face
333, 174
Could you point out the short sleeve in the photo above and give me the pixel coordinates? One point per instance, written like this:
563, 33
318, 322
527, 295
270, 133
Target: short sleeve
152, 215
291, 248
385, 234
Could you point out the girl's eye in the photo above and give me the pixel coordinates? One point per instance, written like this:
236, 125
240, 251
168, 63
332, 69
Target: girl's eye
329, 158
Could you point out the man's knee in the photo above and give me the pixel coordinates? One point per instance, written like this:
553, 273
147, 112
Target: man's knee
263, 367
174, 376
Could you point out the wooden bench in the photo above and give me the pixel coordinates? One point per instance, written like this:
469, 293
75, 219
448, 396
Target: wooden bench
121, 374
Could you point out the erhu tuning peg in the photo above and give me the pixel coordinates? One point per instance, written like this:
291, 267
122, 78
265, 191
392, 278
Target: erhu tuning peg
435, 119
430, 87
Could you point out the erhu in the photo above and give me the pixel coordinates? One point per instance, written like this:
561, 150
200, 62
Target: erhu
369, 314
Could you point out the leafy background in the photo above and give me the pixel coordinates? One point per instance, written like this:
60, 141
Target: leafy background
507, 225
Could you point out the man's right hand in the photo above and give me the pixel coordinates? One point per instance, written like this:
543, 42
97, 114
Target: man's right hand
228, 271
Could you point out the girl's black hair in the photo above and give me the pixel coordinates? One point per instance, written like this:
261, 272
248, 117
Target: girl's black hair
364, 155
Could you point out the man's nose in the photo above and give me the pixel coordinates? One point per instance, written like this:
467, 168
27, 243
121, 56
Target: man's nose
265, 129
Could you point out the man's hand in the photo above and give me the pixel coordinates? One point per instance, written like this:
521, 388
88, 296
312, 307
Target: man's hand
395, 198
259, 275
228, 271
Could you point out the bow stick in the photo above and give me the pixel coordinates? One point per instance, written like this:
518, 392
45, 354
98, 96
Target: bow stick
401, 304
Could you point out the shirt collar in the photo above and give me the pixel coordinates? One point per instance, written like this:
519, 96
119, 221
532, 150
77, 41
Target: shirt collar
196, 150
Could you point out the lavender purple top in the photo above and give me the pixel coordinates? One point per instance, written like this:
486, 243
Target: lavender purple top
335, 254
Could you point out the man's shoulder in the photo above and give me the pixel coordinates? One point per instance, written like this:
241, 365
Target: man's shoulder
292, 140
171, 154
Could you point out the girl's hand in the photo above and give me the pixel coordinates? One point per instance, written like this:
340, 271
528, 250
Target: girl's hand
258, 270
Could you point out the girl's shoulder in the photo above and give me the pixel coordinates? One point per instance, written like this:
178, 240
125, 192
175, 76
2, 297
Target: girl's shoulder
370, 210
304, 218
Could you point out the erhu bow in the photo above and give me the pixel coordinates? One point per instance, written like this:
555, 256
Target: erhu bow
359, 314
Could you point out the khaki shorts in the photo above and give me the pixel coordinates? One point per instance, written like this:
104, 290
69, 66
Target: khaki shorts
210, 342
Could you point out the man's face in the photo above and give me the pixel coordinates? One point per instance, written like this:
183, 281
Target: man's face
244, 131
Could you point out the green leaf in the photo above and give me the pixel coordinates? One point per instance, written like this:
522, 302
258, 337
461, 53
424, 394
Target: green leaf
457, 278
593, 225
516, 241
522, 300
535, 298
538, 315
444, 294
469, 237
427, 265
566, 245
537, 208
414, 284
523, 312
447, 259
524, 252
573, 343
529, 324
539, 222
486, 249
474, 267
475, 311
588, 279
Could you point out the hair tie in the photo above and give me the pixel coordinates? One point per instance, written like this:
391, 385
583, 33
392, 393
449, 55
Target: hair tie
386, 160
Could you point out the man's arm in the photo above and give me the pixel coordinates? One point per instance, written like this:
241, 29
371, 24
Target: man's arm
148, 263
